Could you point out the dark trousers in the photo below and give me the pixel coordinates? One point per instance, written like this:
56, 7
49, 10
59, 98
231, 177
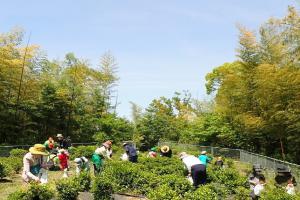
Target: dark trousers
198, 174
96, 170
133, 159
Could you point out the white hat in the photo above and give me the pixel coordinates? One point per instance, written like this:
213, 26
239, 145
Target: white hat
77, 160
203, 152
61, 151
59, 135
183, 155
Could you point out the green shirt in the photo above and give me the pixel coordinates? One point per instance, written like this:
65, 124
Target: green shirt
97, 160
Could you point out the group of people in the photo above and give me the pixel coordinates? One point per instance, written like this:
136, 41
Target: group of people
55, 155
283, 179
42, 157
51, 154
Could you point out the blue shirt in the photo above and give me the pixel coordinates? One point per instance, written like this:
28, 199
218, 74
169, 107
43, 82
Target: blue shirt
204, 159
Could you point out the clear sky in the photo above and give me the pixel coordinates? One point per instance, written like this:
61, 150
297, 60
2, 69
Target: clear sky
161, 46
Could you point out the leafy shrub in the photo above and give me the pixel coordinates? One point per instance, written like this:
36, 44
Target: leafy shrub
277, 194
102, 188
67, 189
20, 153
33, 192
163, 192
202, 193
83, 181
229, 177
86, 151
3, 173
177, 183
5, 168
242, 193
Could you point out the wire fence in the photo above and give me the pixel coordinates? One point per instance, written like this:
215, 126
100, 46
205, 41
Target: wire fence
268, 163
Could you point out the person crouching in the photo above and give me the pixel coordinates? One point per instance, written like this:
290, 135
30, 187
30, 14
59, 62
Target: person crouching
82, 164
195, 168
63, 157
97, 159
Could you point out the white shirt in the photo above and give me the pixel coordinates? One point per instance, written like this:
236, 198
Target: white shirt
190, 161
290, 189
258, 189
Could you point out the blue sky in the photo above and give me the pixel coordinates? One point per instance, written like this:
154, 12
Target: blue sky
161, 46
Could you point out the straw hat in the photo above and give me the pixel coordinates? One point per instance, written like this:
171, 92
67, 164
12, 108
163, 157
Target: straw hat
203, 152
183, 155
38, 149
165, 149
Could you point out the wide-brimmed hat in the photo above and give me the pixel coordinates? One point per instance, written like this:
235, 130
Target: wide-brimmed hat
165, 149
77, 160
203, 152
282, 169
183, 155
257, 167
59, 136
39, 149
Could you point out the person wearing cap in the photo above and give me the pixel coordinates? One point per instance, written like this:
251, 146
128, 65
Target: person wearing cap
131, 152
62, 143
152, 153
204, 158
165, 151
253, 178
97, 159
283, 175
33, 163
196, 169
82, 164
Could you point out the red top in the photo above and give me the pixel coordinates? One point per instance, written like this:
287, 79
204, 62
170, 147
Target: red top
63, 159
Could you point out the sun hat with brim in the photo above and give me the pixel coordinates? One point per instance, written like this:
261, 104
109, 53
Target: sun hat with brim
183, 155
283, 169
59, 135
39, 149
203, 152
164, 149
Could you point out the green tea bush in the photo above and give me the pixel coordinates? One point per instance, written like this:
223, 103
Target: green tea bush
83, 181
102, 188
7, 168
228, 176
277, 194
163, 192
33, 192
179, 184
202, 193
67, 189
3, 172
241, 193
20, 153
86, 151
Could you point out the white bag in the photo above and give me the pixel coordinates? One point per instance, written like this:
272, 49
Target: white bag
124, 157
65, 173
43, 175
